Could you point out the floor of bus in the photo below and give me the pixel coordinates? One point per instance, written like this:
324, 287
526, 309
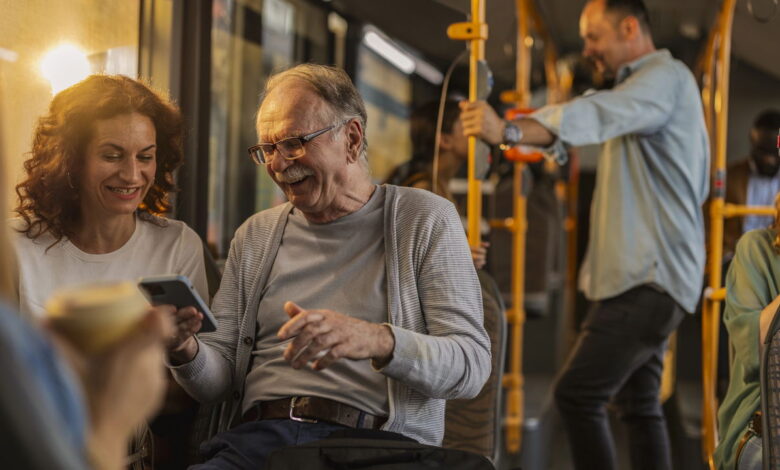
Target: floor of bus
544, 445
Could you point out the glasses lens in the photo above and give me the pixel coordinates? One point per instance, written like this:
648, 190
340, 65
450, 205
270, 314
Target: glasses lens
267, 149
291, 148
257, 155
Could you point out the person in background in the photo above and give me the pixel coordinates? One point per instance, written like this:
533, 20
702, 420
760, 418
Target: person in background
645, 258
97, 180
452, 156
752, 298
753, 181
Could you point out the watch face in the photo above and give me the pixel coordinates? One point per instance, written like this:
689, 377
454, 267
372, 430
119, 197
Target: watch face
511, 134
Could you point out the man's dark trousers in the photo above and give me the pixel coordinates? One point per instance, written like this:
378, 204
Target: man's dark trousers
619, 353
247, 446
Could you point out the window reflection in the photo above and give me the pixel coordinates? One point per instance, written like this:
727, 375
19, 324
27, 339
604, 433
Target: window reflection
107, 38
250, 39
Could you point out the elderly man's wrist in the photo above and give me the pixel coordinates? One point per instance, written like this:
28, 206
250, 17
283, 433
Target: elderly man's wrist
385, 346
185, 353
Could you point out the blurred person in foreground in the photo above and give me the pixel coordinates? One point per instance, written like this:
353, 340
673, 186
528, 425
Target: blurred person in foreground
645, 259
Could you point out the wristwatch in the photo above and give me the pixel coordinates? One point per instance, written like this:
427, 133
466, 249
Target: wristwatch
512, 136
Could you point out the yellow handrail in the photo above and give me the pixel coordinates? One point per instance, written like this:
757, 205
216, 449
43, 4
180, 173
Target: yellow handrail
737, 210
711, 305
476, 32
517, 224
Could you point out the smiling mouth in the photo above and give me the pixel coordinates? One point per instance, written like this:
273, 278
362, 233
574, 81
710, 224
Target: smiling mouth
297, 181
123, 191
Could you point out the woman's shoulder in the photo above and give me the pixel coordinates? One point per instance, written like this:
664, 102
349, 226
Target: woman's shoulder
759, 240
19, 231
756, 249
157, 226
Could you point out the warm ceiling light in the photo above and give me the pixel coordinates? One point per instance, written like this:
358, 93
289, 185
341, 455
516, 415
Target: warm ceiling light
64, 66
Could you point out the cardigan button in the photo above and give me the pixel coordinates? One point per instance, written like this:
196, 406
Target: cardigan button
248, 340
236, 395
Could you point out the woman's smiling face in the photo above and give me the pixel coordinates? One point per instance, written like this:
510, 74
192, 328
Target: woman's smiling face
119, 165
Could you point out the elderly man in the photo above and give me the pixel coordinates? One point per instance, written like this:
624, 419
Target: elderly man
645, 257
351, 306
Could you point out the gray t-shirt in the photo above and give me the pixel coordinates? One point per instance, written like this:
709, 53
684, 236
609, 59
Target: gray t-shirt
338, 266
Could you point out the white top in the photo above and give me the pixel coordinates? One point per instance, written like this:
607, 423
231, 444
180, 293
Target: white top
168, 248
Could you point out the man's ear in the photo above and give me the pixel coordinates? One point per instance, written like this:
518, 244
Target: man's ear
445, 141
629, 27
354, 140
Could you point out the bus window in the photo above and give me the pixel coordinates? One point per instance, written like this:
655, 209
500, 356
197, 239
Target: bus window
250, 39
38, 37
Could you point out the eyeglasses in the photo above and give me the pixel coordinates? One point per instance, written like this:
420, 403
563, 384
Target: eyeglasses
290, 148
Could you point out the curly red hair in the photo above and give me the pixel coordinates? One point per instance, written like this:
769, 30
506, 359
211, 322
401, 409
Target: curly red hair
48, 201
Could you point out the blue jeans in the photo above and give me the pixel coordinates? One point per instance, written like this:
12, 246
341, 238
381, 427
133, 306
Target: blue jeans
246, 447
619, 354
750, 458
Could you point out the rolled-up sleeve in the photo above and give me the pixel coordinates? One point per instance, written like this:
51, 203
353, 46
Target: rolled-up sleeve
641, 104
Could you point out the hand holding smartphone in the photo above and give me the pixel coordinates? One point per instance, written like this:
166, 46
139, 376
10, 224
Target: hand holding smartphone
177, 291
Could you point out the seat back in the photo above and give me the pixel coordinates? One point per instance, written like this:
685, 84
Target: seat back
770, 396
475, 425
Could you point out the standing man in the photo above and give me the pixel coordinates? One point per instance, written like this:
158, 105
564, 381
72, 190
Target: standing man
353, 305
645, 259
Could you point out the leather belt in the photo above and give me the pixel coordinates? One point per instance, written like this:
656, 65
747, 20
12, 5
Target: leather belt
313, 410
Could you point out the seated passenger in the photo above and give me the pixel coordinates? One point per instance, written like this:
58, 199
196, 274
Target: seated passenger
752, 298
66, 410
453, 155
754, 180
100, 171
354, 305
453, 149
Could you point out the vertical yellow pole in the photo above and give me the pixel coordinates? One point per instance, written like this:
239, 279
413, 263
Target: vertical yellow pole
474, 201
711, 306
516, 315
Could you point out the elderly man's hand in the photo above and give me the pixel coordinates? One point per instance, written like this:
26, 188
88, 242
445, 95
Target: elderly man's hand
182, 346
326, 336
480, 120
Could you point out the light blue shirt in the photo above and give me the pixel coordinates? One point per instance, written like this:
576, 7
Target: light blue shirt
646, 220
44, 413
761, 191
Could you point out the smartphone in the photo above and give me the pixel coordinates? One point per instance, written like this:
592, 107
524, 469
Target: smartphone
177, 291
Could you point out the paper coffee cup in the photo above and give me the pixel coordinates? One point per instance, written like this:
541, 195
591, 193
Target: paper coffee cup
94, 316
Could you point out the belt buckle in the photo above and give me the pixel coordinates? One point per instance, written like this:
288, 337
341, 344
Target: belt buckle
296, 418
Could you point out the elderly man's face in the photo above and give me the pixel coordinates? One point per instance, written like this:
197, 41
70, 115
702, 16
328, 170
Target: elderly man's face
604, 43
315, 182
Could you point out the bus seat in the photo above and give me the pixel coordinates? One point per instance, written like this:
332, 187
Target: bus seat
475, 425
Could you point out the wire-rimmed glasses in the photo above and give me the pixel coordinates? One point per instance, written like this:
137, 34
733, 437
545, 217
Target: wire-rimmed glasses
290, 148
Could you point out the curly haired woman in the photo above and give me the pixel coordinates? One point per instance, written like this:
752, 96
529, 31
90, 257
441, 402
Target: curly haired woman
98, 176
